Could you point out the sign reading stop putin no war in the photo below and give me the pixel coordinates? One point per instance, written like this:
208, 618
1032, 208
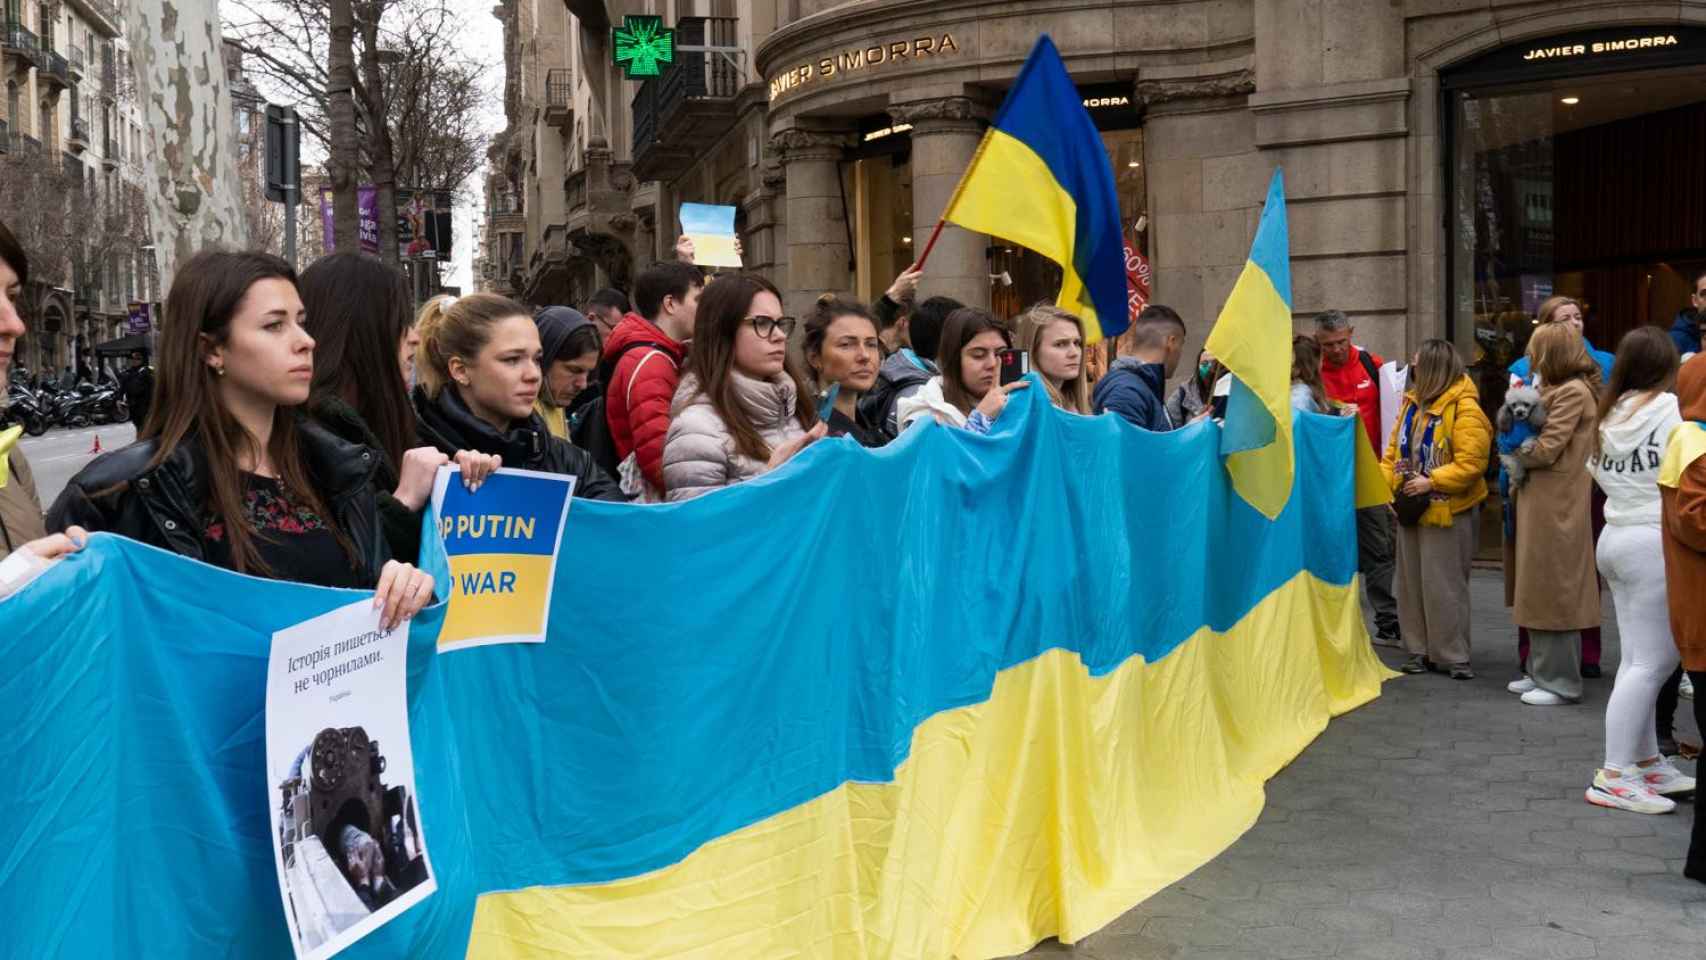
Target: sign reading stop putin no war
501, 542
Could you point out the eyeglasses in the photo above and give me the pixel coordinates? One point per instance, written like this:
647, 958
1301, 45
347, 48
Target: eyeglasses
766, 327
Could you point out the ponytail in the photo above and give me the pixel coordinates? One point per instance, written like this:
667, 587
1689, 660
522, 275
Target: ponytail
456, 327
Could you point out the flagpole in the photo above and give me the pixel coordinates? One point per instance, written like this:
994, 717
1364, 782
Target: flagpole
929, 245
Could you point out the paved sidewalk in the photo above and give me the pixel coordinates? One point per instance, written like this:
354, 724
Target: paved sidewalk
1443, 821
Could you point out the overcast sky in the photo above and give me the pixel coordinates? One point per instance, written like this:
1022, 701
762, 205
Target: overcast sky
485, 38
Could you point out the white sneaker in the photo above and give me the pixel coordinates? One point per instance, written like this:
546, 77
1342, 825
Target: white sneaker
1686, 690
1520, 686
1625, 793
1663, 779
1542, 698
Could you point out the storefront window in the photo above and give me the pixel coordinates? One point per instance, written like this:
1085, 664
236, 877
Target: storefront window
1574, 169
881, 196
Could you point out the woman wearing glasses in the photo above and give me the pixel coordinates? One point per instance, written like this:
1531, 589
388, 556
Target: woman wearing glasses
741, 409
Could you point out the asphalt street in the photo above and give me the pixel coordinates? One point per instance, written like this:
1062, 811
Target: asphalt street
57, 455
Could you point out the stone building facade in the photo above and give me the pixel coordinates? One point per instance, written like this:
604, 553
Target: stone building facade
68, 103
1443, 159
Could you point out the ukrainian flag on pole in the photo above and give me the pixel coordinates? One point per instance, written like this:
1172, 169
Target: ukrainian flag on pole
1041, 179
1252, 339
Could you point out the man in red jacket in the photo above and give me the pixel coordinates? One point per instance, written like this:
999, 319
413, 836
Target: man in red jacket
1351, 376
647, 349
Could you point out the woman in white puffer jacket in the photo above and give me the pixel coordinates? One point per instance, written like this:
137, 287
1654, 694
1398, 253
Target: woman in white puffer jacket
741, 409
1638, 413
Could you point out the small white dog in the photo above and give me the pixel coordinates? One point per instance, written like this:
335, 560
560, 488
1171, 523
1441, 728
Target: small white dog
1520, 421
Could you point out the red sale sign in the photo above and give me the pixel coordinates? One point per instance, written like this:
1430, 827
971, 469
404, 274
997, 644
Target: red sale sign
1137, 280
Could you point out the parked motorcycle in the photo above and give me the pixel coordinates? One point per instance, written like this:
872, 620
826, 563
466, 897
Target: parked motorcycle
24, 406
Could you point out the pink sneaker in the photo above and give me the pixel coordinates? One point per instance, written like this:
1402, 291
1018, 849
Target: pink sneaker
1626, 793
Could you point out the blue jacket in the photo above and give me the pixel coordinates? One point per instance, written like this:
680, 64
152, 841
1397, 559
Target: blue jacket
1685, 332
1133, 389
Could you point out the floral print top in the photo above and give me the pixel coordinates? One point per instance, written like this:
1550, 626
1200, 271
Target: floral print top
294, 541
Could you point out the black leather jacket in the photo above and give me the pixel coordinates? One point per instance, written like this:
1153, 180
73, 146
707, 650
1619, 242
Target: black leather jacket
164, 506
447, 424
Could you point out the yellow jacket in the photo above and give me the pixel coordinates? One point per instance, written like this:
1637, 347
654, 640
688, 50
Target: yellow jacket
556, 418
1463, 441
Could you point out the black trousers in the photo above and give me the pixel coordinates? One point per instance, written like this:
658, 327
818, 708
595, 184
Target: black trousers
1695, 866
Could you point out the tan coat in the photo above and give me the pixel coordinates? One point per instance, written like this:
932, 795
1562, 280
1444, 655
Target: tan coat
20, 507
1557, 585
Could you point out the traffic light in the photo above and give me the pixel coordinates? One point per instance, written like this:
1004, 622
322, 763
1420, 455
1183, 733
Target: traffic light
284, 163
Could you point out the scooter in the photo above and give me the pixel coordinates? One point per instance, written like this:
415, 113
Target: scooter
24, 407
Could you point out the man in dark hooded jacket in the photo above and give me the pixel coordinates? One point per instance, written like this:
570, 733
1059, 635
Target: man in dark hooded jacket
1135, 386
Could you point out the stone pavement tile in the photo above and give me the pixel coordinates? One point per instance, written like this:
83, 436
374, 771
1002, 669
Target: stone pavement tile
1572, 839
1543, 943
1252, 913
1386, 948
1614, 823
1651, 846
1395, 905
1351, 921
1304, 893
1193, 932
1291, 943
1443, 933
1622, 861
1493, 913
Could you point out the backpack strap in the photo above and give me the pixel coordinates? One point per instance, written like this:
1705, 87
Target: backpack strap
628, 392
1369, 366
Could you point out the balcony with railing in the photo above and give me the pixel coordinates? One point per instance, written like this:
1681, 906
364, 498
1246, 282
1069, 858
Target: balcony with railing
19, 43
109, 154
77, 138
102, 16
75, 64
53, 72
560, 98
692, 102
109, 88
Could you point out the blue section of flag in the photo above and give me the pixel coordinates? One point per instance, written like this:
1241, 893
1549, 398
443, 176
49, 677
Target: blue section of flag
1271, 251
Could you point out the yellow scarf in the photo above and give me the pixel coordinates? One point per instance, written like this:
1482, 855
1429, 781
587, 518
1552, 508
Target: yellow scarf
1687, 444
8, 440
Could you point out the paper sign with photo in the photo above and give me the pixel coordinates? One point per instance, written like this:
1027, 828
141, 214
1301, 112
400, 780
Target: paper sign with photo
501, 542
341, 779
712, 230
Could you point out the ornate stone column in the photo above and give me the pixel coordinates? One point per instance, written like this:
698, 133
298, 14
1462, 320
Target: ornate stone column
818, 253
945, 135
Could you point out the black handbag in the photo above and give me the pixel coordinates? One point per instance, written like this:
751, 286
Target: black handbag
1410, 506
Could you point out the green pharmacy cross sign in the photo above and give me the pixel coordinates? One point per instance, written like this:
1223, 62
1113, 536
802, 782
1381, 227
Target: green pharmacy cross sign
641, 45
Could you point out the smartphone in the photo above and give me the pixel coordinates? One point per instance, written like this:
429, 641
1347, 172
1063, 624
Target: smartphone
1014, 365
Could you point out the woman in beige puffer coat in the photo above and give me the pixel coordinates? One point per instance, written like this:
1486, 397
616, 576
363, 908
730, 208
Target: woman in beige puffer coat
740, 409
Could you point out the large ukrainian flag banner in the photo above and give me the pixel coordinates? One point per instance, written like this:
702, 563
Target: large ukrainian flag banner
1041, 179
1046, 679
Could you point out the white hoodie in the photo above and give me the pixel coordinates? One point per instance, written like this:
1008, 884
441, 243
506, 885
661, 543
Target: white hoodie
1631, 444
930, 400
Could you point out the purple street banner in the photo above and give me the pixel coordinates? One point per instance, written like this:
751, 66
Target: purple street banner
141, 320
423, 221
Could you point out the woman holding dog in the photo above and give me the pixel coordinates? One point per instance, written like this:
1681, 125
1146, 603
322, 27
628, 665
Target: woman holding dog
1439, 452
1637, 414
1557, 587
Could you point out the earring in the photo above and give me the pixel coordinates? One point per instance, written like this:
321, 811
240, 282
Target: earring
219, 371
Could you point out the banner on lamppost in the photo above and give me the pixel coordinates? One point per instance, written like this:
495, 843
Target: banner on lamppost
423, 221
141, 319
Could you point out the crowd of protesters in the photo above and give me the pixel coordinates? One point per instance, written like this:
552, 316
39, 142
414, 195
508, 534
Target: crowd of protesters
296, 425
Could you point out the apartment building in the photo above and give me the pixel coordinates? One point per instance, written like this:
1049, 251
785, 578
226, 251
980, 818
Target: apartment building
68, 105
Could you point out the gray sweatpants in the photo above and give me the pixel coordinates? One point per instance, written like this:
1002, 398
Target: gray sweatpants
1555, 661
1433, 587
1375, 560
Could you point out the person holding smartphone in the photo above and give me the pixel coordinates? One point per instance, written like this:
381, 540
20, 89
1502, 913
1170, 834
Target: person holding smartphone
843, 350
967, 393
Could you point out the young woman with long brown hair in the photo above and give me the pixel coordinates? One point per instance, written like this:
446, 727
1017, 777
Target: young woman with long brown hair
967, 393
364, 338
1557, 587
1439, 450
226, 471
1637, 413
741, 408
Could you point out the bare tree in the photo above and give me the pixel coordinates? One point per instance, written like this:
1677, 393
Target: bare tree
340, 108
417, 96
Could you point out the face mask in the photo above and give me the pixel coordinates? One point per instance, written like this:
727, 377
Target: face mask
1204, 369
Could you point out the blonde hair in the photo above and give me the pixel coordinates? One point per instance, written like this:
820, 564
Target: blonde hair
1438, 367
1074, 394
1557, 353
456, 327
1549, 309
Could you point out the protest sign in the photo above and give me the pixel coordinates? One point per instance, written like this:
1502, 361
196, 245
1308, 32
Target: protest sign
712, 230
341, 776
502, 543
